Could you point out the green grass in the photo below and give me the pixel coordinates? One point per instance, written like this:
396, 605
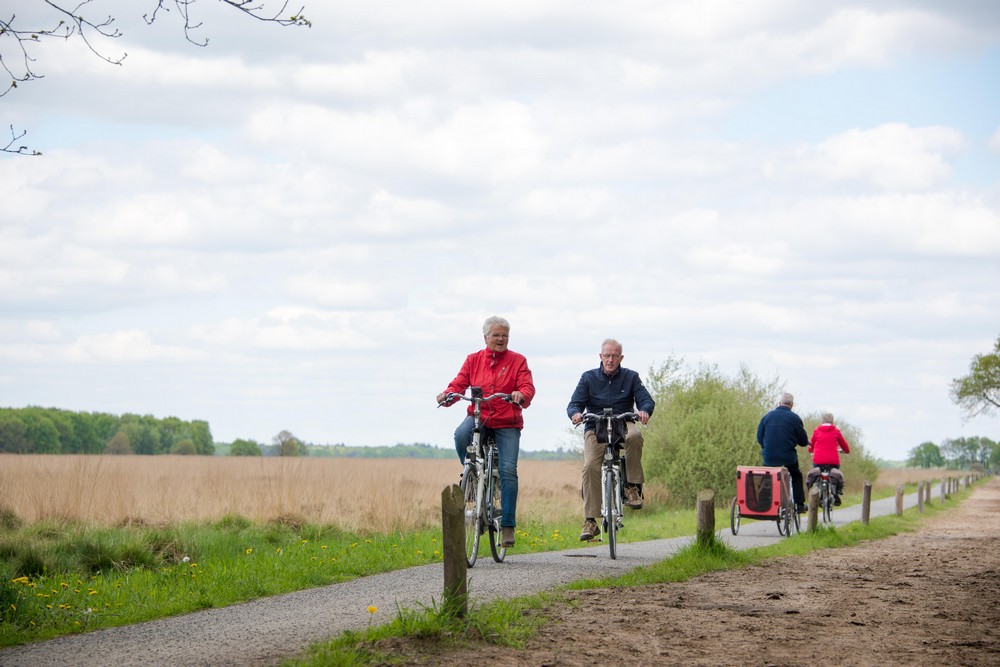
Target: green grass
506, 623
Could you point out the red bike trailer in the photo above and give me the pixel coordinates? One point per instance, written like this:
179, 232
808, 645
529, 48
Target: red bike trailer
762, 492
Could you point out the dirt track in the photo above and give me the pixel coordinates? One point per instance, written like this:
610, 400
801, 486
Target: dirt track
930, 597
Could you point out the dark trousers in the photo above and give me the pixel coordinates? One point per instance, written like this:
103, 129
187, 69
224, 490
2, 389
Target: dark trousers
798, 491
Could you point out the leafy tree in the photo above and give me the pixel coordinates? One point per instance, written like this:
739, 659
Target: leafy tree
184, 448
42, 433
979, 391
201, 436
242, 447
968, 452
78, 20
118, 444
925, 455
13, 433
704, 425
288, 445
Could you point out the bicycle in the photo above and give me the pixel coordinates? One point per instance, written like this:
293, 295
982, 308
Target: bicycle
481, 480
826, 494
612, 472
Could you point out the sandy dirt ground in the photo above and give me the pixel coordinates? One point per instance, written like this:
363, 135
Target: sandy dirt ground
926, 598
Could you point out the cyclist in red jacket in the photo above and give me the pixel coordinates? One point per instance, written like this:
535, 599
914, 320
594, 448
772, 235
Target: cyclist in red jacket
825, 445
497, 370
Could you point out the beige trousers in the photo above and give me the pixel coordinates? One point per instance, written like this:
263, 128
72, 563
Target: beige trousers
593, 454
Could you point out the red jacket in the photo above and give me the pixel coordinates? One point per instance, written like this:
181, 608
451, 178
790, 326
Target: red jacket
496, 372
824, 444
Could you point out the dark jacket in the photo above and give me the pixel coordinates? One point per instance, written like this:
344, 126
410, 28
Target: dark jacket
620, 392
778, 433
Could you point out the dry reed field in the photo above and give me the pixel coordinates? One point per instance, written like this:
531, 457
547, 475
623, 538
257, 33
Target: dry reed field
379, 495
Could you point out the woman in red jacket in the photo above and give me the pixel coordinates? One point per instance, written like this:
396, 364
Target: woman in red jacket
826, 444
497, 370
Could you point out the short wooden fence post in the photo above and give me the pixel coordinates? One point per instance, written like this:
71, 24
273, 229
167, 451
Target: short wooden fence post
920, 497
927, 491
456, 591
899, 501
944, 495
813, 516
866, 503
706, 516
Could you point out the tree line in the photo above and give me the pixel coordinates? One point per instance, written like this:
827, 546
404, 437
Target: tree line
36, 430
961, 453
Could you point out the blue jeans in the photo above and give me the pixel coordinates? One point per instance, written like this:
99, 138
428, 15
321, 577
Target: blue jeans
508, 445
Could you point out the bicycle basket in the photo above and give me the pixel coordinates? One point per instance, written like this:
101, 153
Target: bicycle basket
617, 431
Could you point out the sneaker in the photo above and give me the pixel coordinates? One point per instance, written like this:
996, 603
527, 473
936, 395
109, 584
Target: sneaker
508, 537
801, 508
836, 499
589, 530
632, 497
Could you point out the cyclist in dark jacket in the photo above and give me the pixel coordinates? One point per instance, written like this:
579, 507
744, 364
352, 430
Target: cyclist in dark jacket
609, 386
778, 433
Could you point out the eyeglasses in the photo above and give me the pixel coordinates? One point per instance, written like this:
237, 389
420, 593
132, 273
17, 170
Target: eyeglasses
499, 335
611, 356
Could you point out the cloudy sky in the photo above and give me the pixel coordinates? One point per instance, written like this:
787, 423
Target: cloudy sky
304, 229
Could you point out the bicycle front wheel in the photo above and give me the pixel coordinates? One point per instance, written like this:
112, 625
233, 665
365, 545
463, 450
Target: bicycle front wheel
493, 513
472, 503
610, 515
734, 516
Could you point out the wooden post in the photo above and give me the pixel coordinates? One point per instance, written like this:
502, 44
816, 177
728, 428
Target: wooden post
899, 501
927, 491
866, 503
920, 497
813, 519
706, 516
456, 591
944, 495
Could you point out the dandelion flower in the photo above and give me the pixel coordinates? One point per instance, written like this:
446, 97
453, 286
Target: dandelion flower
372, 609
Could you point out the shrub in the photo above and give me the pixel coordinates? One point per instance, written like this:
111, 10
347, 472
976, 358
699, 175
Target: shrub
705, 425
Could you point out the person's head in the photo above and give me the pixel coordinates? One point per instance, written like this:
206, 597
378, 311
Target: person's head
611, 355
496, 333
827, 418
786, 400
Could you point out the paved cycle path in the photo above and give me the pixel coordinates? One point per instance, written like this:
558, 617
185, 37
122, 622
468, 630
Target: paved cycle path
266, 631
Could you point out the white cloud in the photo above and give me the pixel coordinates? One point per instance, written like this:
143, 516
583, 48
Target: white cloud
893, 156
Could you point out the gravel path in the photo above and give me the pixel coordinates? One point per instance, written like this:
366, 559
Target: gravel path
266, 631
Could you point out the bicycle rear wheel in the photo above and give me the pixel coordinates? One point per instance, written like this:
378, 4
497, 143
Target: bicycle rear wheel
473, 526
493, 512
826, 502
610, 517
734, 516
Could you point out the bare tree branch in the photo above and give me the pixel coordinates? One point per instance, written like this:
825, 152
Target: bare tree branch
76, 22
20, 150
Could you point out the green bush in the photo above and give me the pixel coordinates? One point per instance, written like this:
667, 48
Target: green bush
705, 425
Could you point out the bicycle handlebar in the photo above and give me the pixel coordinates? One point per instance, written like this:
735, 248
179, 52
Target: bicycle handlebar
596, 416
452, 396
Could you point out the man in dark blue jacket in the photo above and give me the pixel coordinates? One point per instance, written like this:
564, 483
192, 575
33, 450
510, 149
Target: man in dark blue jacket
609, 386
778, 433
